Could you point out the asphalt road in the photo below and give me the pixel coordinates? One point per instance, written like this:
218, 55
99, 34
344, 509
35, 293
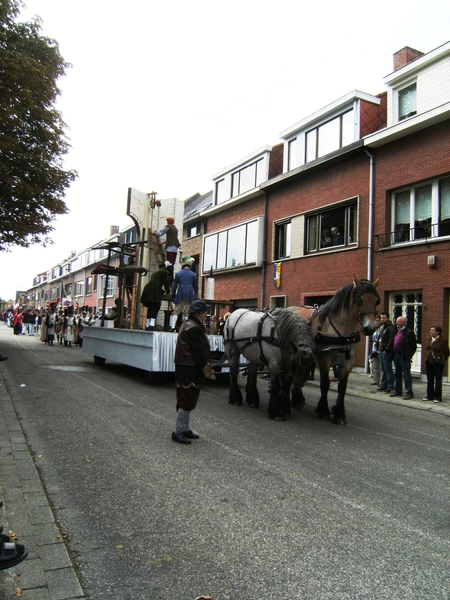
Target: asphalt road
253, 510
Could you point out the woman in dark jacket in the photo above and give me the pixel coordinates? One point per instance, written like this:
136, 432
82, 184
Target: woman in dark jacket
437, 353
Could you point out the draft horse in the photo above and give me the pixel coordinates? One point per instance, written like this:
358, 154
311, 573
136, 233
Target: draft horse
336, 328
282, 341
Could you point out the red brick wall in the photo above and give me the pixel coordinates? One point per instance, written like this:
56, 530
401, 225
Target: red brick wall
423, 156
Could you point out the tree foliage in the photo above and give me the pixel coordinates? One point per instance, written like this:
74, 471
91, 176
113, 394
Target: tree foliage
33, 143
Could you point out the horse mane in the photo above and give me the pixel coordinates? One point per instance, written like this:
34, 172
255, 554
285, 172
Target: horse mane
344, 297
292, 329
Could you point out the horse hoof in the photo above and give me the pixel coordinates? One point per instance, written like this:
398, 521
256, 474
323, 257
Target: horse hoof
254, 405
339, 421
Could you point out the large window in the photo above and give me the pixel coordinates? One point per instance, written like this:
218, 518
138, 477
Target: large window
332, 228
407, 102
247, 178
110, 288
79, 288
330, 136
282, 247
421, 211
234, 247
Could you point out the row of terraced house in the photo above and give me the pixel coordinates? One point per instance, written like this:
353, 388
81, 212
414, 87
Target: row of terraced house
375, 170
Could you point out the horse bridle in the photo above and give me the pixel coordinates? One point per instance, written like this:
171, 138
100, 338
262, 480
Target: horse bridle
358, 300
353, 337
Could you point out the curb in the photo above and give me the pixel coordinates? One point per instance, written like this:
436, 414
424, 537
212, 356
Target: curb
47, 573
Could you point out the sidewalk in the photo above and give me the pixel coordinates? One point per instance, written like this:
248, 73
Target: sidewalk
359, 385
47, 573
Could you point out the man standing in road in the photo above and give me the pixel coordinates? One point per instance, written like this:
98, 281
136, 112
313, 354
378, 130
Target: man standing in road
405, 345
191, 365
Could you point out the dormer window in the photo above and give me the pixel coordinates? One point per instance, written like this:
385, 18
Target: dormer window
247, 178
330, 136
407, 101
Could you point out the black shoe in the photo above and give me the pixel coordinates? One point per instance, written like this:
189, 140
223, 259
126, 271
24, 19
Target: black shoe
3, 357
191, 435
180, 439
11, 554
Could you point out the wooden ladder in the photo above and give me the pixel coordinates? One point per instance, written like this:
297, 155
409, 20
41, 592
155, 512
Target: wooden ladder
158, 249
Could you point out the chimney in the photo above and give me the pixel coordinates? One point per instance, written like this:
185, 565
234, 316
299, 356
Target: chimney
113, 230
405, 56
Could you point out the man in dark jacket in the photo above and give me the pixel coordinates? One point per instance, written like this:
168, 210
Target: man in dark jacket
405, 345
191, 365
386, 353
153, 292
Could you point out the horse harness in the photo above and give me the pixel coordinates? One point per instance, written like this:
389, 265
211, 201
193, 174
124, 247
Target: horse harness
259, 338
331, 343
323, 339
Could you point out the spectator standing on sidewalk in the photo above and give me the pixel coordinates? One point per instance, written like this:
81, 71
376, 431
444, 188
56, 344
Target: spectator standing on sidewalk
376, 373
437, 353
405, 346
386, 353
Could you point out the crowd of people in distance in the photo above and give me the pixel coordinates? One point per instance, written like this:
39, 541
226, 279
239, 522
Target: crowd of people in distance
54, 325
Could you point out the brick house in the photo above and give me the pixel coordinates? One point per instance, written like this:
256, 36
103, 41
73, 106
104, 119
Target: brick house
375, 167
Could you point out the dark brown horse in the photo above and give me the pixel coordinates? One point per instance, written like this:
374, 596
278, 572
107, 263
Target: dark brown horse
336, 330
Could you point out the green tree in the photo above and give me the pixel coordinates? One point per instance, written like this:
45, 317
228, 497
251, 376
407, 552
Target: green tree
33, 143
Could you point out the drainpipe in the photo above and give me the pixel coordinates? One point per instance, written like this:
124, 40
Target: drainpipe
264, 265
369, 242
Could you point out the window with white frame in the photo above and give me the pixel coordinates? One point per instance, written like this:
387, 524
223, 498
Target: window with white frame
88, 286
110, 288
282, 242
421, 211
237, 246
332, 228
247, 178
222, 193
193, 229
330, 136
407, 101
79, 288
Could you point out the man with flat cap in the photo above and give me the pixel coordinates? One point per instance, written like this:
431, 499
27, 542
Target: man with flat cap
191, 365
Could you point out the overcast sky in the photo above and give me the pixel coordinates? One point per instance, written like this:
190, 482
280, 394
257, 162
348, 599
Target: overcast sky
163, 95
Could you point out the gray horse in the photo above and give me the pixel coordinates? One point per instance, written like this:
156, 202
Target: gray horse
283, 342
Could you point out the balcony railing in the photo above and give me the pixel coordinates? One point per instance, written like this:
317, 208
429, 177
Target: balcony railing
422, 231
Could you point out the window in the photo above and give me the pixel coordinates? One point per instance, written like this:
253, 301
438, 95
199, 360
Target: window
277, 302
282, 248
69, 289
53, 294
292, 154
193, 230
234, 247
407, 102
109, 289
79, 287
330, 136
421, 211
247, 178
329, 229
221, 192
409, 305
88, 286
